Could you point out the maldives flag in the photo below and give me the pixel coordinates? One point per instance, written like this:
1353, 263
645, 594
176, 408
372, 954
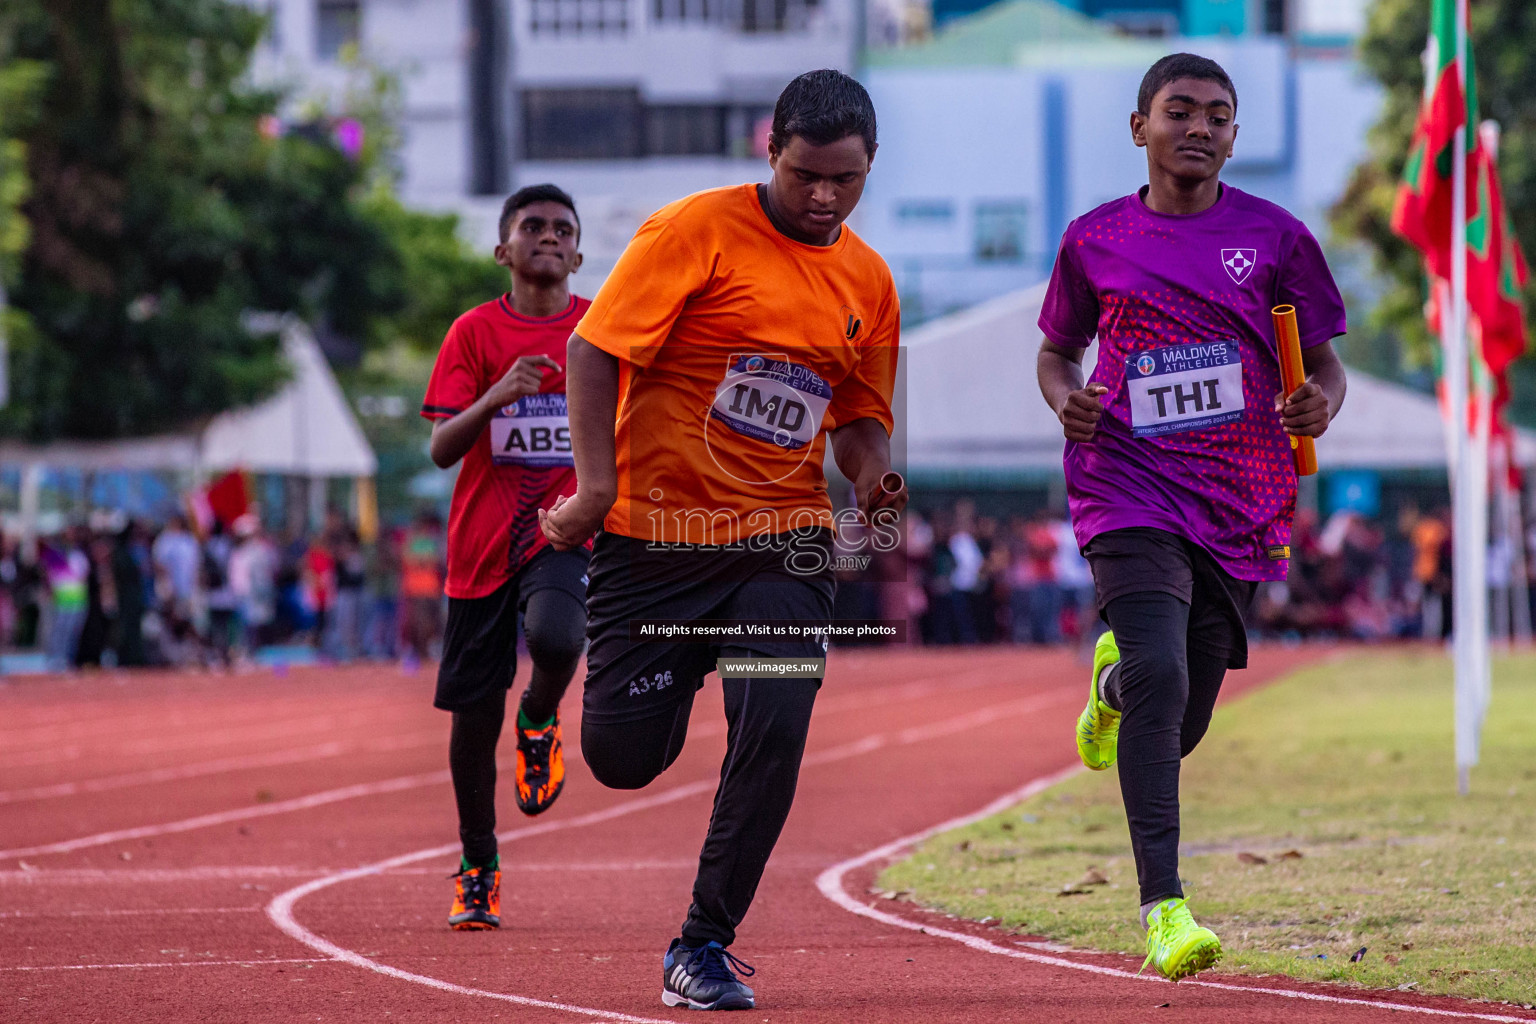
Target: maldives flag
1422, 212
1496, 273
1496, 268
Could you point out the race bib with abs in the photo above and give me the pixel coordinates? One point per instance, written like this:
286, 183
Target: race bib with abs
1184, 387
769, 398
534, 432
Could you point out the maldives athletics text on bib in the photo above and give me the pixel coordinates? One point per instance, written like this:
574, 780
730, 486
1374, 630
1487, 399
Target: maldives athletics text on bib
1184, 387
771, 399
534, 432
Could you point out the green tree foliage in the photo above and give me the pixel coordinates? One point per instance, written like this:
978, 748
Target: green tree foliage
158, 211
446, 277
1504, 51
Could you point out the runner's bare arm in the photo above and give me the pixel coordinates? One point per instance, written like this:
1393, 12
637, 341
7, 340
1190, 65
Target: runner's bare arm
1060, 371
862, 449
1311, 407
592, 400
454, 437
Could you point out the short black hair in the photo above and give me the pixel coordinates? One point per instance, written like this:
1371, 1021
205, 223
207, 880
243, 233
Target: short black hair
1181, 65
527, 196
823, 107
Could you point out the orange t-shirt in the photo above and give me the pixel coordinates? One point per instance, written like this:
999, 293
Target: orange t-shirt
1427, 537
738, 349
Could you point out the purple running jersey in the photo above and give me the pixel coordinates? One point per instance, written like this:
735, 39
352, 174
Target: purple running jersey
1190, 441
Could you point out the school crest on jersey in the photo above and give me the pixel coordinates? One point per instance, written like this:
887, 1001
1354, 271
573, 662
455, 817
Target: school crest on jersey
1239, 263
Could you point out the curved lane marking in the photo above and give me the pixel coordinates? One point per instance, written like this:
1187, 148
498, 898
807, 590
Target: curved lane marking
280, 910
830, 884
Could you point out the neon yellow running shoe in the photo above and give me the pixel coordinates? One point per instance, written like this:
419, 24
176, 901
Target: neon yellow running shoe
1177, 946
1098, 727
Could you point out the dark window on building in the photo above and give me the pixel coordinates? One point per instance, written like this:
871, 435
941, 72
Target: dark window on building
1274, 17
925, 213
1000, 231
579, 17
741, 15
692, 130
774, 15
686, 10
746, 130
613, 124
582, 124
338, 23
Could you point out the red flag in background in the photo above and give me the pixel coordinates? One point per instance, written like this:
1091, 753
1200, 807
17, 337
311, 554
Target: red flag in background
1421, 215
223, 500
1422, 212
1496, 274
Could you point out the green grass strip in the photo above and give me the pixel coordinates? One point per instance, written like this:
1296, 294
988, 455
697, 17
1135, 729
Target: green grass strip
1349, 764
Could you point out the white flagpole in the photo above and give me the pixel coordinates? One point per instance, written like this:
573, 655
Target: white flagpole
1466, 581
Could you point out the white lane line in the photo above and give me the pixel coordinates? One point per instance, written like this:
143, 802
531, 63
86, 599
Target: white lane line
367, 789
830, 884
187, 771
88, 876
169, 963
330, 796
838, 704
280, 910
37, 757
227, 764
143, 912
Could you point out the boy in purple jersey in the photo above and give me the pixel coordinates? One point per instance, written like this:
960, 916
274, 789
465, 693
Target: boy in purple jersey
1178, 461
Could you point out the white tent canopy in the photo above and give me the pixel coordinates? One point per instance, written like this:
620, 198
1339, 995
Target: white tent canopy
306, 429
973, 405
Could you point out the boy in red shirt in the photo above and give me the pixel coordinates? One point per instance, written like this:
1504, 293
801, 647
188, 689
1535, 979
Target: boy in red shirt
497, 394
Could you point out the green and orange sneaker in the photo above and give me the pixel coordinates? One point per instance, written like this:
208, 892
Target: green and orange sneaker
476, 898
1176, 945
1098, 727
540, 766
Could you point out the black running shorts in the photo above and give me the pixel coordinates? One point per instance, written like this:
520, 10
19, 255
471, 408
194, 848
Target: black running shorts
480, 642
786, 578
1142, 559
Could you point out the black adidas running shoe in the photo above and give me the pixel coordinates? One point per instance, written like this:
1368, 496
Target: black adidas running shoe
701, 978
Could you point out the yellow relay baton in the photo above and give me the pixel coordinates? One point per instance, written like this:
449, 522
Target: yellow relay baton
1292, 376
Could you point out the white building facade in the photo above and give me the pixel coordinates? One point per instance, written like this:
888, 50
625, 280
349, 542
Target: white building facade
981, 168
627, 104
990, 142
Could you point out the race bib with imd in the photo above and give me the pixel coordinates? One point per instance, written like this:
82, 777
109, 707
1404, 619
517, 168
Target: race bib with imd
771, 399
534, 432
1184, 387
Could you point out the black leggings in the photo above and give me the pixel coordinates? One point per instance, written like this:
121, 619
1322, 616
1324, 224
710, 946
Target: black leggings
1166, 687
554, 625
768, 721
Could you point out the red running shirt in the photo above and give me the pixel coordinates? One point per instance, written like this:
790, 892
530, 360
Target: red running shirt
522, 460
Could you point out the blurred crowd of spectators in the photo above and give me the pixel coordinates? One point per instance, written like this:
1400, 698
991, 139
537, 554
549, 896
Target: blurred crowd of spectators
124, 592
984, 579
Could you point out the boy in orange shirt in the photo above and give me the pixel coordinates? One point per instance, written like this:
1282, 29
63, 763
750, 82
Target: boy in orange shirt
740, 328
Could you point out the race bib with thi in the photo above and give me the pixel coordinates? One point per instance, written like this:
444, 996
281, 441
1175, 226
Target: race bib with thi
769, 398
534, 432
1184, 387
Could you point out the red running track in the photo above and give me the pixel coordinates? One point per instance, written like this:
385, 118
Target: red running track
178, 848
